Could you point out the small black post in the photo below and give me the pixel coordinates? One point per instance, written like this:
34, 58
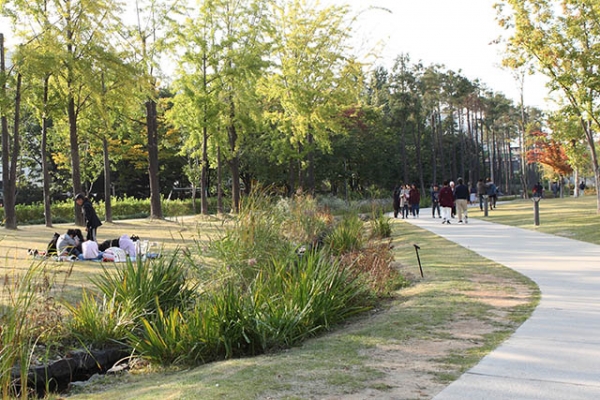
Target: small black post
536, 210
486, 204
417, 248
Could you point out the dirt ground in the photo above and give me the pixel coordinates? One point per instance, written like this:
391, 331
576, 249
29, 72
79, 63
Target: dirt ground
412, 369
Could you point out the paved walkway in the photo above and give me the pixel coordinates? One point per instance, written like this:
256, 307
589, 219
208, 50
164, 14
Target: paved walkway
556, 353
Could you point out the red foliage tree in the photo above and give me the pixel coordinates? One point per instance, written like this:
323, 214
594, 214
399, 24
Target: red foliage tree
549, 152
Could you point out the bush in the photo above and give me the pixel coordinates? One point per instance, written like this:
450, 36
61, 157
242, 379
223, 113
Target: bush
380, 225
346, 236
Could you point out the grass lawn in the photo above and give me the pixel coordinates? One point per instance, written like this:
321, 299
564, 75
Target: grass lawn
409, 348
574, 218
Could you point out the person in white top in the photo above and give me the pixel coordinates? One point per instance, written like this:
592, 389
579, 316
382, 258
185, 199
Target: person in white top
128, 246
90, 250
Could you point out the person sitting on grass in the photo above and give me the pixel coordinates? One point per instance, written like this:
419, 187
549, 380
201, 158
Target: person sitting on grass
68, 244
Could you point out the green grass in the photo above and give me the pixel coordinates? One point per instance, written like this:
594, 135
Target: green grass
349, 359
574, 218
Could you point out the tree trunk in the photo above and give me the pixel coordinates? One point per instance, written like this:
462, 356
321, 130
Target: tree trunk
205, 165
204, 172
75, 160
433, 149
107, 182
234, 166
45, 167
589, 134
234, 161
219, 182
4, 125
153, 167
310, 171
10, 153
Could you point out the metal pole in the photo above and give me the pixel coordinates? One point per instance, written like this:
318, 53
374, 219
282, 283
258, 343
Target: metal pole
419, 259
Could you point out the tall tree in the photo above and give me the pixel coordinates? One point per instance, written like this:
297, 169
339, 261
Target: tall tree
149, 34
563, 41
311, 81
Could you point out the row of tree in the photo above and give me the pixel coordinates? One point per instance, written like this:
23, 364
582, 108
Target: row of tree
267, 92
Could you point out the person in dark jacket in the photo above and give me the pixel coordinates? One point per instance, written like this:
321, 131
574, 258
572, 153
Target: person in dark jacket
414, 199
396, 200
435, 201
446, 202
92, 222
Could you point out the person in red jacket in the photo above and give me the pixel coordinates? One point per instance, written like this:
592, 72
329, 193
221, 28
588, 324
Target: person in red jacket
414, 199
446, 202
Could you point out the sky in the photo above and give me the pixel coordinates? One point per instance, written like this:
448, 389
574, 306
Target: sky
455, 33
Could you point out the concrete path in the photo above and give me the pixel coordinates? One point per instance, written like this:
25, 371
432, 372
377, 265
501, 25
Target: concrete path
556, 353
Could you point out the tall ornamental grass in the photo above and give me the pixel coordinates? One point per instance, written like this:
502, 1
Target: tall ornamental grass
19, 332
275, 277
286, 303
144, 285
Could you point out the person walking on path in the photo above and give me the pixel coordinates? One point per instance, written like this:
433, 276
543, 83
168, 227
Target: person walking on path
435, 201
461, 199
481, 191
492, 192
446, 202
404, 195
414, 200
92, 222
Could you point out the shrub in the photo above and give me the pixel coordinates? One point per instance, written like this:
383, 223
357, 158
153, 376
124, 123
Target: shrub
346, 236
380, 225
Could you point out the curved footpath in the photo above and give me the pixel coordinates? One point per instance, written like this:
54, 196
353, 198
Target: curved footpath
555, 354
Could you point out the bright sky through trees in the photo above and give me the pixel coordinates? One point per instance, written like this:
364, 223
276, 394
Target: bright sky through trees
456, 33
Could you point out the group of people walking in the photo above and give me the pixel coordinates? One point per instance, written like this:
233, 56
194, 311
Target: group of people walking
407, 200
449, 201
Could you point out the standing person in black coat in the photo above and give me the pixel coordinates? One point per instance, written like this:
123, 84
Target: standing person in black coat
396, 200
92, 222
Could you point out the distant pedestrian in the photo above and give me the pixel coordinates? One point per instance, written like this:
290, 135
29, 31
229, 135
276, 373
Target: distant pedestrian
492, 192
582, 188
435, 201
461, 200
446, 202
404, 196
396, 200
414, 200
453, 211
481, 191
92, 222
554, 187
538, 190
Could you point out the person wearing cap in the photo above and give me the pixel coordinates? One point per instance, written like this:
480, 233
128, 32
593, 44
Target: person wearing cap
92, 222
